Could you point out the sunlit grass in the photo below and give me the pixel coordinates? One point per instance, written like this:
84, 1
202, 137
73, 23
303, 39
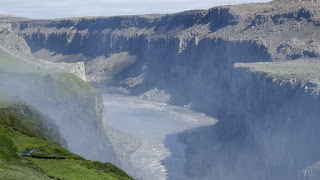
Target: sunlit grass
21, 130
22, 127
77, 169
20, 171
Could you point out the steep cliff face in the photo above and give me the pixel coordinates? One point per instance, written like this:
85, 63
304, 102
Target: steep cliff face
15, 46
32, 148
76, 107
267, 129
286, 30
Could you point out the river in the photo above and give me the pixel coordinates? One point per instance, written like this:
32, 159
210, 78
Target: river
157, 125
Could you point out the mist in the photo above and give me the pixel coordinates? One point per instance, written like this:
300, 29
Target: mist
79, 118
157, 125
226, 93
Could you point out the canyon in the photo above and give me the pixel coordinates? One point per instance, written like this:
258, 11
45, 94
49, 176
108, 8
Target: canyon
253, 67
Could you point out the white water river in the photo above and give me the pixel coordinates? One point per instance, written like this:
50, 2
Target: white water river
157, 125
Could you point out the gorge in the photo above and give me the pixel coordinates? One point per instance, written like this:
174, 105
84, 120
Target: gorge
253, 67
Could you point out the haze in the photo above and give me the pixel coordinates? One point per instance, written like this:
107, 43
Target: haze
80, 8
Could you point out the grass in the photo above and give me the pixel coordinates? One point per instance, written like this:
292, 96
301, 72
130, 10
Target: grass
21, 171
65, 85
53, 151
299, 70
70, 86
12, 166
65, 92
25, 119
60, 86
8, 151
22, 129
77, 169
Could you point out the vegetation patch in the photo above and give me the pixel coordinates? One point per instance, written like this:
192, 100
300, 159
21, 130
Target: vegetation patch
8, 151
77, 169
300, 71
70, 86
25, 119
23, 128
62, 85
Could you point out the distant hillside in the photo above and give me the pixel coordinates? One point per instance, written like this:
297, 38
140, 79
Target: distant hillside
4, 17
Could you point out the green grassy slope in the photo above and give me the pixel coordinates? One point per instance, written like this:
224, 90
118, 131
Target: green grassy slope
23, 128
66, 85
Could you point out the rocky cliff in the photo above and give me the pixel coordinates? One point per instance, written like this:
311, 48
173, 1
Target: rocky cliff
33, 148
283, 30
75, 106
15, 46
267, 128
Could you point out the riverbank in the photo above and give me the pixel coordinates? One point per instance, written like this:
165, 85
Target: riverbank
157, 125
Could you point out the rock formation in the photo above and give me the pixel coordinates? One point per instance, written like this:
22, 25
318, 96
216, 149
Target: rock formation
15, 46
268, 126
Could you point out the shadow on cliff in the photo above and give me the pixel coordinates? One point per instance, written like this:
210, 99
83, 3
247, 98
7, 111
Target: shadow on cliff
73, 105
200, 71
216, 152
268, 131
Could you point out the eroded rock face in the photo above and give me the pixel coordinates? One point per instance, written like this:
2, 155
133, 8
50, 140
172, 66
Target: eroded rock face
75, 108
284, 30
311, 172
267, 130
5, 27
15, 46
156, 95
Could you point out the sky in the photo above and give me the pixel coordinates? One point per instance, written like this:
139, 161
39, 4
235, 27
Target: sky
48, 9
